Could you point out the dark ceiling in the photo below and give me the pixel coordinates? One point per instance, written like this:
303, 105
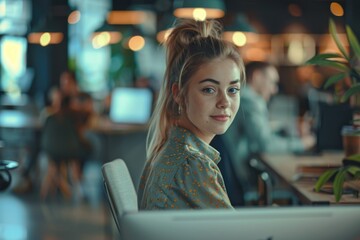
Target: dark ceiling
267, 16
272, 16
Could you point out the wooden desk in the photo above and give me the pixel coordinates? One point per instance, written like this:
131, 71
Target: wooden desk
288, 168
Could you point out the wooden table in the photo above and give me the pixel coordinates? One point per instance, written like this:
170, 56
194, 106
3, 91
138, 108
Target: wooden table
299, 173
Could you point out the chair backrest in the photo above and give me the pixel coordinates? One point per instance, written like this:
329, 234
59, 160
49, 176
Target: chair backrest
120, 189
233, 186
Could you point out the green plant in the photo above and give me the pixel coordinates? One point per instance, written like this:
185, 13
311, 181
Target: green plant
347, 63
349, 170
348, 66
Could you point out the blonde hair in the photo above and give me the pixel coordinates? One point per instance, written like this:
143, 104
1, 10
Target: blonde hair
190, 45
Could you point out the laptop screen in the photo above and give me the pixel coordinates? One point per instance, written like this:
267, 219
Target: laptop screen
131, 105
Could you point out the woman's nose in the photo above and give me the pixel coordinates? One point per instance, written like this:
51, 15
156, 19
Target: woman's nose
223, 101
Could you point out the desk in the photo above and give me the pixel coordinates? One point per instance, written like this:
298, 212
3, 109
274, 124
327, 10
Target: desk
286, 167
126, 141
20, 130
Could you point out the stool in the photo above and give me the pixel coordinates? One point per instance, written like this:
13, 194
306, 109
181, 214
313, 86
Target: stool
5, 176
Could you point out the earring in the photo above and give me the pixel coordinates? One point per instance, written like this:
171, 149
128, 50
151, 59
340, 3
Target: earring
179, 110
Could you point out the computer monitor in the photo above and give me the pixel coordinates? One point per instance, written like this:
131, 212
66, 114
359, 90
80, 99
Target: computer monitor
131, 105
275, 223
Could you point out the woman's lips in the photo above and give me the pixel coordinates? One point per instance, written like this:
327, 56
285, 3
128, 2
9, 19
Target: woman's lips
221, 118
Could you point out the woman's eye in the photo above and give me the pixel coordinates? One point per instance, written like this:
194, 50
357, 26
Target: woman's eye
208, 90
234, 90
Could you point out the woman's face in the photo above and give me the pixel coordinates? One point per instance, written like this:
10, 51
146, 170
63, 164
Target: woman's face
212, 100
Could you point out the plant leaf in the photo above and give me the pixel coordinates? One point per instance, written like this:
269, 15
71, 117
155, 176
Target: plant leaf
354, 43
355, 157
324, 178
338, 183
334, 79
351, 91
323, 56
354, 170
331, 63
333, 32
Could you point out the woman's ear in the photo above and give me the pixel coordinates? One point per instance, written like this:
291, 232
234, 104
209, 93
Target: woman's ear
175, 92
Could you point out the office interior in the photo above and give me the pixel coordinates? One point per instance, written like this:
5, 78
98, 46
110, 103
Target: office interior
110, 50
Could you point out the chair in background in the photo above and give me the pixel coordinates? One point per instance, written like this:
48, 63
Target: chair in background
234, 187
120, 190
265, 193
264, 183
329, 118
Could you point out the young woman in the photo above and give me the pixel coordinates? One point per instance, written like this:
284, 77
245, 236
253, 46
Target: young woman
199, 98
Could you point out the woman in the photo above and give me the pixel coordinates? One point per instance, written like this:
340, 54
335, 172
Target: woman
198, 99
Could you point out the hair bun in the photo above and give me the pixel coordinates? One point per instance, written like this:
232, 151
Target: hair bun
187, 31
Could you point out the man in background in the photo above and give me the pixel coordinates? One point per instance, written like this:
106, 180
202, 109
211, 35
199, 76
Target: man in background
251, 133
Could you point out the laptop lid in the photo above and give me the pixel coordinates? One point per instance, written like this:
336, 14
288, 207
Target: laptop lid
131, 105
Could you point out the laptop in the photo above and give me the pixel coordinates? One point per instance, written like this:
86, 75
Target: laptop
131, 105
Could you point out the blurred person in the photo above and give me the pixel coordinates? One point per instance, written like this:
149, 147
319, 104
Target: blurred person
67, 148
67, 84
199, 99
52, 105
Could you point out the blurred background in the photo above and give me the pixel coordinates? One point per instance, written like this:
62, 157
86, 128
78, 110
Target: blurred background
116, 44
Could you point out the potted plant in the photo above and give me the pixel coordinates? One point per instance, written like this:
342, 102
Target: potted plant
347, 65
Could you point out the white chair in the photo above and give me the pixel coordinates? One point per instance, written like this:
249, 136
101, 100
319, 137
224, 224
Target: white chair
120, 190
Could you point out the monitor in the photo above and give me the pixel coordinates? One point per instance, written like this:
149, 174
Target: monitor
271, 223
131, 105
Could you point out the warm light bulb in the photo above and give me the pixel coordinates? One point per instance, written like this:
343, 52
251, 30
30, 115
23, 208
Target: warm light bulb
239, 39
136, 43
296, 52
199, 14
74, 17
100, 40
45, 39
336, 9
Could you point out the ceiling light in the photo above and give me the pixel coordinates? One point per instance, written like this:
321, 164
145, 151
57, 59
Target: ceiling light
199, 9
336, 9
105, 35
48, 32
237, 31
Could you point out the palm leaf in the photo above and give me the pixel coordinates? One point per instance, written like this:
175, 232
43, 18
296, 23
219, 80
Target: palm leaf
333, 32
331, 63
354, 43
338, 183
323, 56
334, 79
324, 178
351, 91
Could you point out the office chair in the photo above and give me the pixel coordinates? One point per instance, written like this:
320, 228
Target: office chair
329, 118
264, 194
234, 187
120, 190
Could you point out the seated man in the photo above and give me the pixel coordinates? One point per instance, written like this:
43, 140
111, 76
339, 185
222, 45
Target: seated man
251, 132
